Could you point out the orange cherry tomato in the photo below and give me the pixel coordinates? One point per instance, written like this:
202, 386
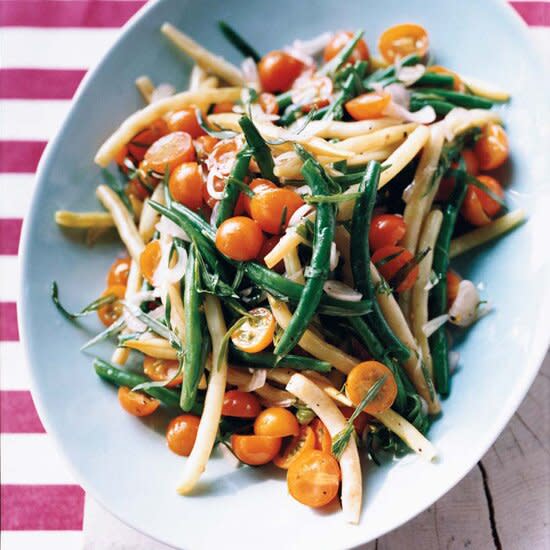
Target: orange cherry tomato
295, 448
118, 272
239, 238
389, 268
139, 144
186, 185
149, 260
256, 333
184, 121
453, 281
109, 313
478, 207
323, 441
160, 370
258, 185
182, 433
255, 450
362, 377
367, 106
278, 70
492, 147
339, 41
204, 145
277, 422
360, 423
268, 103
223, 107
458, 85
136, 403
386, 230
240, 404
402, 40
272, 208
447, 185
314, 478
169, 151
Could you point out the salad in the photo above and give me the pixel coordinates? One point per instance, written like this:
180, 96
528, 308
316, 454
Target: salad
288, 225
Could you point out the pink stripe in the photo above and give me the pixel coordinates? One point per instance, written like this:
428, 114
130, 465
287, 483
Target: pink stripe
536, 14
18, 413
10, 233
64, 13
8, 322
39, 83
42, 507
20, 156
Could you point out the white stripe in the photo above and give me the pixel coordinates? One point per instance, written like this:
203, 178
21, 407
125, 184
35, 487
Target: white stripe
19, 453
9, 278
19, 189
54, 48
32, 120
45, 540
14, 372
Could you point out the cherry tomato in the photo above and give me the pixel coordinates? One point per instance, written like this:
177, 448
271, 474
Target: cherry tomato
256, 333
268, 103
136, 403
492, 147
160, 370
278, 70
273, 208
386, 230
389, 269
255, 449
458, 85
222, 158
453, 281
182, 433
295, 448
360, 423
258, 185
118, 272
186, 185
239, 238
169, 151
277, 422
314, 478
367, 106
137, 189
204, 145
223, 107
240, 404
184, 121
109, 313
311, 90
339, 41
478, 207
323, 441
139, 144
362, 377
149, 260
402, 40
447, 185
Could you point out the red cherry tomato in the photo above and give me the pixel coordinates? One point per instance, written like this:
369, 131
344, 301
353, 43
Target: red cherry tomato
478, 207
278, 70
386, 230
390, 267
240, 404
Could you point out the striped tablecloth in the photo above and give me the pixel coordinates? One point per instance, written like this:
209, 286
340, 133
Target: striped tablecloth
46, 46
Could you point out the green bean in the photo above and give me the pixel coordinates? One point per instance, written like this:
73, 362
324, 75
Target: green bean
317, 271
120, 377
270, 361
337, 61
440, 107
232, 191
435, 79
284, 100
238, 41
260, 149
270, 281
438, 295
360, 260
462, 100
193, 363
